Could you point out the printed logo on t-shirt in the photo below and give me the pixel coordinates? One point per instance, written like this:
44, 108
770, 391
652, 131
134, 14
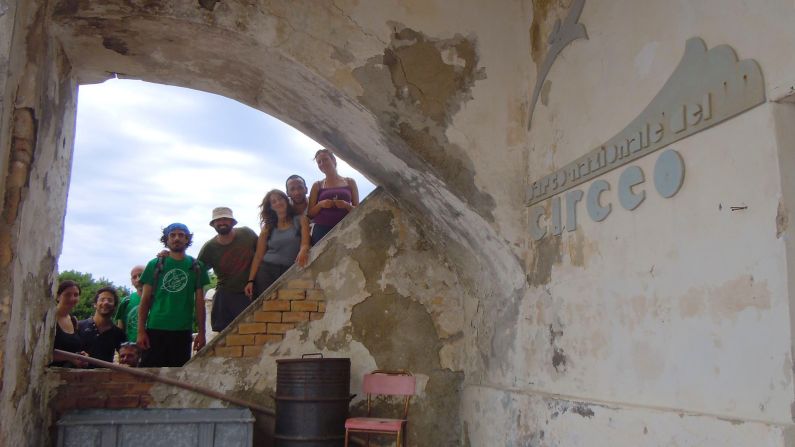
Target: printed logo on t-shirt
175, 280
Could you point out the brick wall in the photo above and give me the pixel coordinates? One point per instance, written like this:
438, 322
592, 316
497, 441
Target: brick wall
297, 301
98, 388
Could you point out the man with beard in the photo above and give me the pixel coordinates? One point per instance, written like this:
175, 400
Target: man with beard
296, 190
229, 254
100, 337
127, 313
173, 289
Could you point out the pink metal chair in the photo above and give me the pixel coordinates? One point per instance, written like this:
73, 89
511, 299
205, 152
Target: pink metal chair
384, 383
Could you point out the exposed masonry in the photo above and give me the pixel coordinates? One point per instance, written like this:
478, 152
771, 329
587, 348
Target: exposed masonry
77, 389
97, 388
266, 321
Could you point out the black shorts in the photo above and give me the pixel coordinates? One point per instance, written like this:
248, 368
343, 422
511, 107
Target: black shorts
226, 307
167, 348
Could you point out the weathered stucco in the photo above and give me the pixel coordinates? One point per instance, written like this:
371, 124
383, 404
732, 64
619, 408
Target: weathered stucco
39, 123
392, 302
669, 324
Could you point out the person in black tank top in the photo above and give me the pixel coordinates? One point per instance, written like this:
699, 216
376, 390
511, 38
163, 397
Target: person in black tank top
66, 335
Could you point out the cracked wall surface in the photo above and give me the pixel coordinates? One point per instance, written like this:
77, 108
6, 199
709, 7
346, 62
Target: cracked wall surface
38, 122
392, 301
680, 307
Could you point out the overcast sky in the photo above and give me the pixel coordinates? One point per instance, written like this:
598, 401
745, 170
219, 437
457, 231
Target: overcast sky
147, 155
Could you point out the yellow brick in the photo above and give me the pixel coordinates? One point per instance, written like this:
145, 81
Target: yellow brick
239, 340
268, 317
292, 294
315, 316
300, 284
279, 328
251, 328
270, 338
295, 317
303, 306
321, 306
252, 351
315, 294
232, 351
275, 305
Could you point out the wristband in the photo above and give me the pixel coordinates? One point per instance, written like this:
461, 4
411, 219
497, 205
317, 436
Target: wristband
250, 281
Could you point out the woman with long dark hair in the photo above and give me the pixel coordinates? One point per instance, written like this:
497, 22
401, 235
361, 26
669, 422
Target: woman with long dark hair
332, 198
283, 240
66, 336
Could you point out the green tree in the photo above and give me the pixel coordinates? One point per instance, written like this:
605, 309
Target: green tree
88, 288
213, 281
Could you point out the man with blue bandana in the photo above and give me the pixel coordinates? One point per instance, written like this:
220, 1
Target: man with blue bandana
173, 291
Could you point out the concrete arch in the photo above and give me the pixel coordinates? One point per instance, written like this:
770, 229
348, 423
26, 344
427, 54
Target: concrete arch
244, 52
351, 93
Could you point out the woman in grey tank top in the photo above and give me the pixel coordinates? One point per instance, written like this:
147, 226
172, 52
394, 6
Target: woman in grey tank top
283, 240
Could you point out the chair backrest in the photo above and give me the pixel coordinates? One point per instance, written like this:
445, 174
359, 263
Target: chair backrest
389, 383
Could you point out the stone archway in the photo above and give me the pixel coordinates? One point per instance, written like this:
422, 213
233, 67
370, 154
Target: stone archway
309, 65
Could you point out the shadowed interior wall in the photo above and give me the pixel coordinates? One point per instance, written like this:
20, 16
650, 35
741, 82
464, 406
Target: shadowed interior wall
668, 322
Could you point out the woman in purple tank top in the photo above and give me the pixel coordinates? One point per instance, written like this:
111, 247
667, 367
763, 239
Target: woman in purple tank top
332, 198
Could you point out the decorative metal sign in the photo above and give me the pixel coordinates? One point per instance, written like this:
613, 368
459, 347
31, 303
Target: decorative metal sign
562, 34
707, 88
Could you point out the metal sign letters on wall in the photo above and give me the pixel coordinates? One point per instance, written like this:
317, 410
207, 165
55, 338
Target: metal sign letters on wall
707, 88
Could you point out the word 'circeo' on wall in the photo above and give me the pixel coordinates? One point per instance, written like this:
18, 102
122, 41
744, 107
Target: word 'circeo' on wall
669, 173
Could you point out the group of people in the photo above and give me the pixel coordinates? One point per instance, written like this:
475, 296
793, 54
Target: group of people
154, 326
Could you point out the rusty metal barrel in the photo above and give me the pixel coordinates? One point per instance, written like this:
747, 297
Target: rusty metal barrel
312, 398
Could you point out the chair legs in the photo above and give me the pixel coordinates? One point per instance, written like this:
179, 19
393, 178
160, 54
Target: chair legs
346, 437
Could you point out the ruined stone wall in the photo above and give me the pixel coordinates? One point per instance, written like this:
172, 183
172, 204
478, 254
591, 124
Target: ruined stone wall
38, 123
295, 302
76, 389
669, 324
391, 302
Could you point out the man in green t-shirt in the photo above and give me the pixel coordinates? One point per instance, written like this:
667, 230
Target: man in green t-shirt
173, 291
229, 254
126, 316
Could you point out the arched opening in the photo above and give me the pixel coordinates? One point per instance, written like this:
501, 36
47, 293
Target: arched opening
147, 155
187, 47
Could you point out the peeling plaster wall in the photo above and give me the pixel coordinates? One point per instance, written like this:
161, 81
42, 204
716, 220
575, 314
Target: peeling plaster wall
517, 419
7, 15
392, 302
681, 307
37, 157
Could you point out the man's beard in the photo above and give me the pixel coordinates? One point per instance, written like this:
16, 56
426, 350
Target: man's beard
223, 230
177, 248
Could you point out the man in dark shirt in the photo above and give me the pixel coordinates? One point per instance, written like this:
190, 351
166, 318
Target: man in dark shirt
229, 254
101, 338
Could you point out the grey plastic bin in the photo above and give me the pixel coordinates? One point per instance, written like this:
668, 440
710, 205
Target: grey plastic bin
182, 427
